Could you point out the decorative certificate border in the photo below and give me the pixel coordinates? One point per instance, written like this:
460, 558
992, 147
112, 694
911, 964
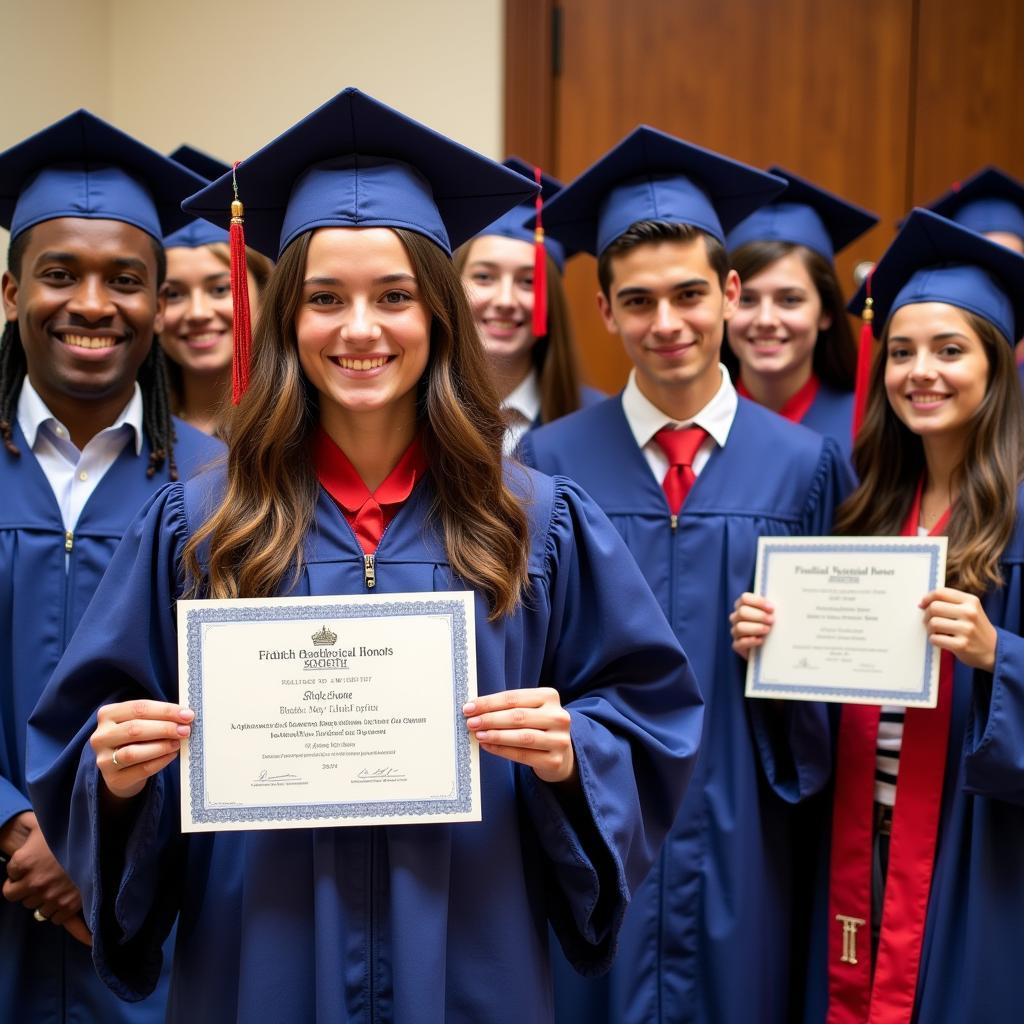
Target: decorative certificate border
460, 802
921, 695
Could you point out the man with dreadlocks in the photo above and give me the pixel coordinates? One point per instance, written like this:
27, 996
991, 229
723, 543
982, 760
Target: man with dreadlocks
88, 438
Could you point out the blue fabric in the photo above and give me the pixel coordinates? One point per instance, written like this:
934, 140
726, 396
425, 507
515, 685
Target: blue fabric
80, 166
410, 923
985, 215
650, 175
977, 896
203, 164
934, 260
356, 162
831, 414
47, 977
989, 200
195, 235
707, 938
519, 223
806, 215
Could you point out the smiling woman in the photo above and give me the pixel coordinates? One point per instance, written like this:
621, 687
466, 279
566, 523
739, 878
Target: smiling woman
366, 454
197, 336
790, 344
928, 804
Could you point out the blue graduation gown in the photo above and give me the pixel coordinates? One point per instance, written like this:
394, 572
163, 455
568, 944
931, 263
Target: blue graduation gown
424, 923
707, 937
831, 414
45, 975
976, 906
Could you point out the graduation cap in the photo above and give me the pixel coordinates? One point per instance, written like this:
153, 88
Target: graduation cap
206, 166
933, 259
650, 175
520, 222
353, 162
199, 232
804, 215
81, 166
356, 162
989, 200
524, 223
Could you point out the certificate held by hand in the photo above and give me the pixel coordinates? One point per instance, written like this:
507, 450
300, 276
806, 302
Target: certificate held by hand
327, 711
848, 626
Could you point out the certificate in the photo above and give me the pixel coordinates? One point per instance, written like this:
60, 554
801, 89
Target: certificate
314, 711
848, 628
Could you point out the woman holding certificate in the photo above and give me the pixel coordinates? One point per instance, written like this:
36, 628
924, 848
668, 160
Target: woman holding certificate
925, 890
366, 456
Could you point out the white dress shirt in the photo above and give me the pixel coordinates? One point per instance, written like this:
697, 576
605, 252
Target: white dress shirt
521, 408
645, 419
75, 474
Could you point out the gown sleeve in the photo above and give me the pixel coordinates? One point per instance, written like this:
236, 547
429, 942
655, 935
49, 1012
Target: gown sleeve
636, 716
795, 738
12, 801
125, 648
994, 736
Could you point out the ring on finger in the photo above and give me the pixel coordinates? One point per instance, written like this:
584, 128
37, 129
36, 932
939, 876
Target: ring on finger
39, 916
117, 764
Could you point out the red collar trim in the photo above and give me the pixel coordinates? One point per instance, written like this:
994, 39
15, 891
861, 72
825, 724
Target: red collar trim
344, 484
796, 406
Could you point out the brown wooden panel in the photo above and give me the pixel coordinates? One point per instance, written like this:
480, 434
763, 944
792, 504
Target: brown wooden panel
529, 81
820, 88
970, 92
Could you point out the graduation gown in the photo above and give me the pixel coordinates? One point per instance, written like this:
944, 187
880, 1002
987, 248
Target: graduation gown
831, 414
707, 937
425, 923
975, 911
45, 975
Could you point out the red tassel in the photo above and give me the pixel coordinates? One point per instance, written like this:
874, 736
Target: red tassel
242, 324
540, 271
865, 350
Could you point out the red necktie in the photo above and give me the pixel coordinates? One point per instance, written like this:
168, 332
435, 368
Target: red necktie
680, 446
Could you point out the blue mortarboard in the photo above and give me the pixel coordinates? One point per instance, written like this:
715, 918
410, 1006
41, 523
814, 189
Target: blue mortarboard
989, 200
519, 222
653, 176
932, 259
199, 232
355, 162
804, 215
203, 164
83, 167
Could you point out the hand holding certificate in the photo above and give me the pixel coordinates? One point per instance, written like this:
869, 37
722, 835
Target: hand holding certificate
328, 711
848, 626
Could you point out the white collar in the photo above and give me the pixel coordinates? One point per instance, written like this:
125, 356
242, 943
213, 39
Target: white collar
525, 397
34, 413
646, 419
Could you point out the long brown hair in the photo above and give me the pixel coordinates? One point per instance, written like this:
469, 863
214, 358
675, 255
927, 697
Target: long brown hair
256, 534
835, 352
554, 355
889, 459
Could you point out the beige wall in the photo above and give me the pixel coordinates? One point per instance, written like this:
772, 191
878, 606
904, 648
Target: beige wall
229, 75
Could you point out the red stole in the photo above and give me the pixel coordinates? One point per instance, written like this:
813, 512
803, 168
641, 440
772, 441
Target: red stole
796, 406
368, 514
854, 997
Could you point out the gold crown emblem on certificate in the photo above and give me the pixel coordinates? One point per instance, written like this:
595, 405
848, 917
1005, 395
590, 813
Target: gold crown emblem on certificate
325, 638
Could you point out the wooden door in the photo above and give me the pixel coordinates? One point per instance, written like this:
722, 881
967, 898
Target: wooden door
884, 101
